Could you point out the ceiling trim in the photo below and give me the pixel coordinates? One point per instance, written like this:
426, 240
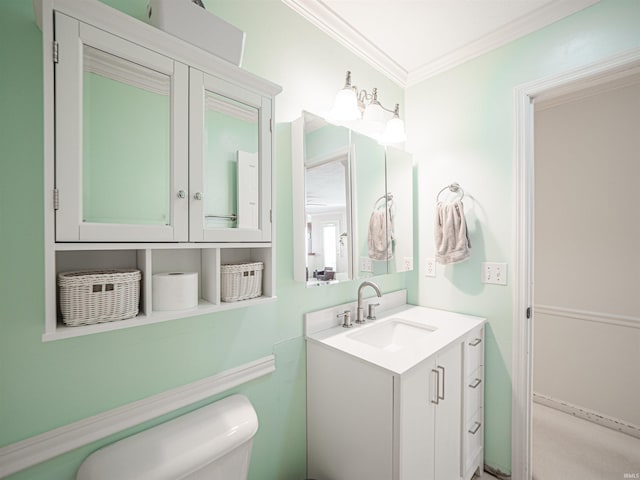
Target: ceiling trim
328, 21
518, 28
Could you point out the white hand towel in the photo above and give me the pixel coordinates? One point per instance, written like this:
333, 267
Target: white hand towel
380, 234
452, 239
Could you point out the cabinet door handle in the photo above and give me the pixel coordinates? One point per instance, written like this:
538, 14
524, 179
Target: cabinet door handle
437, 392
475, 383
181, 194
475, 342
197, 196
441, 397
476, 426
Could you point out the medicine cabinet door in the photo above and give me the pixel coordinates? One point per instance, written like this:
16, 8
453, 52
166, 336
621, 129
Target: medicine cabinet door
121, 139
399, 175
230, 163
374, 234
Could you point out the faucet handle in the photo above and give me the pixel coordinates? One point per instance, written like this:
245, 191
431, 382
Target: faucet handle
372, 311
346, 322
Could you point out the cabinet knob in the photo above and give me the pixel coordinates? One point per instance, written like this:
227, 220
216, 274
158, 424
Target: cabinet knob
197, 195
181, 194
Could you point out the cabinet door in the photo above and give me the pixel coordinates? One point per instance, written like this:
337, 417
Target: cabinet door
373, 235
448, 440
230, 162
121, 139
418, 397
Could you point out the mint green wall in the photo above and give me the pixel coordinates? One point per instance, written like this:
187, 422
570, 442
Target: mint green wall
48, 385
461, 126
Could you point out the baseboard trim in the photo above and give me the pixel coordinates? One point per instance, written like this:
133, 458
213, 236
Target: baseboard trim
37, 449
589, 415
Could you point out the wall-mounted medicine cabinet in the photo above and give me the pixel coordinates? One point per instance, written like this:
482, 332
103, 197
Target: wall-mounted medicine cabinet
158, 156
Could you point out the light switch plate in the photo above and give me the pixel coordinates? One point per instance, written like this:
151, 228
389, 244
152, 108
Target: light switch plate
495, 273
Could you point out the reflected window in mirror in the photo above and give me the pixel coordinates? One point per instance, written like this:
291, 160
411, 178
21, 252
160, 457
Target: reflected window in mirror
327, 179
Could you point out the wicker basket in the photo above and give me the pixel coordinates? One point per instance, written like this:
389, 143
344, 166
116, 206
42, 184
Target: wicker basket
98, 296
241, 281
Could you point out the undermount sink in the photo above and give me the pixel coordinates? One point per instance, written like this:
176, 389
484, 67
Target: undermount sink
393, 335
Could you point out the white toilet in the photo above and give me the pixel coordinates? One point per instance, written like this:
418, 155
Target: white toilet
213, 443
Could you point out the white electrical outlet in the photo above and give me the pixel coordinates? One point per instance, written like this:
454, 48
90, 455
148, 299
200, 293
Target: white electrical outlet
366, 265
430, 267
495, 273
408, 264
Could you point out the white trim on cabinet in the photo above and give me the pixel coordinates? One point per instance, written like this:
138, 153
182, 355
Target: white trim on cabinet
39, 448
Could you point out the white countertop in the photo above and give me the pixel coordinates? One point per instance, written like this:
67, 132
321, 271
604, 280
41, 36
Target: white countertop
449, 327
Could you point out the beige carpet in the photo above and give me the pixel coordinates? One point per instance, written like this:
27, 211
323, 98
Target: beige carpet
567, 448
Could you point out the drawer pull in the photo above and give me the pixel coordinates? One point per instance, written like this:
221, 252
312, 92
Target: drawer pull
475, 342
437, 392
476, 426
475, 383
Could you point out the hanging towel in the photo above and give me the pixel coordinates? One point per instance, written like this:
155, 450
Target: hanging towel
381, 234
452, 239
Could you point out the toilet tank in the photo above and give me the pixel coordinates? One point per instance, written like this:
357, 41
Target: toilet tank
213, 442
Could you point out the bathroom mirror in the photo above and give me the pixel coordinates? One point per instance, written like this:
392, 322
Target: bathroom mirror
126, 158
231, 166
399, 178
344, 178
322, 179
373, 237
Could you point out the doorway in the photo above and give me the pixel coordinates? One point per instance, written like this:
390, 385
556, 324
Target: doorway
525, 98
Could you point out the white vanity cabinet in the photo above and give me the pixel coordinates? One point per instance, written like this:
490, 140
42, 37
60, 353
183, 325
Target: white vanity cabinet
157, 157
473, 400
365, 422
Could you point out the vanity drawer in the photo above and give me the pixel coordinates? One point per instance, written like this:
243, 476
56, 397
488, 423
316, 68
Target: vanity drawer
473, 351
473, 393
473, 436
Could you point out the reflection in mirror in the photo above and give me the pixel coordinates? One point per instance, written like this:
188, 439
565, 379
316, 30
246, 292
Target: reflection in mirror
126, 134
399, 175
327, 202
372, 208
231, 167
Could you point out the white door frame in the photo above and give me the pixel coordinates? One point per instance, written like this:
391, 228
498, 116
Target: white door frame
522, 371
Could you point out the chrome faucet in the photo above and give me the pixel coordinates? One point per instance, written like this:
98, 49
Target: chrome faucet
360, 311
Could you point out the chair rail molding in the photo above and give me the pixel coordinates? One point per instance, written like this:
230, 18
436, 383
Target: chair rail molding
37, 449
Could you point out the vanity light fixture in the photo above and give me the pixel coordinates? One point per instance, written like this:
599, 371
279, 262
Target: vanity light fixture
362, 111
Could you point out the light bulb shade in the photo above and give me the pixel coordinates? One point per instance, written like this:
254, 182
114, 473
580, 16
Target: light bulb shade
393, 133
345, 108
374, 119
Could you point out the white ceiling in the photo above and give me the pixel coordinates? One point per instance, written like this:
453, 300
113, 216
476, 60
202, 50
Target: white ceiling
411, 40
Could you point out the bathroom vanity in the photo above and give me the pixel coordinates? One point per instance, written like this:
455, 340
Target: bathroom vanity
399, 398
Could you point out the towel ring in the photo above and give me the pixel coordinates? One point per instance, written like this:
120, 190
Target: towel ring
388, 198
454, 188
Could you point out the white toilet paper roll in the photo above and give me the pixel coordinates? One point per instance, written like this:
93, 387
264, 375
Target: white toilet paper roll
175, 291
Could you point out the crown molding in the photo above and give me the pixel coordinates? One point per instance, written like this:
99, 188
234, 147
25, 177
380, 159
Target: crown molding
328, 21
